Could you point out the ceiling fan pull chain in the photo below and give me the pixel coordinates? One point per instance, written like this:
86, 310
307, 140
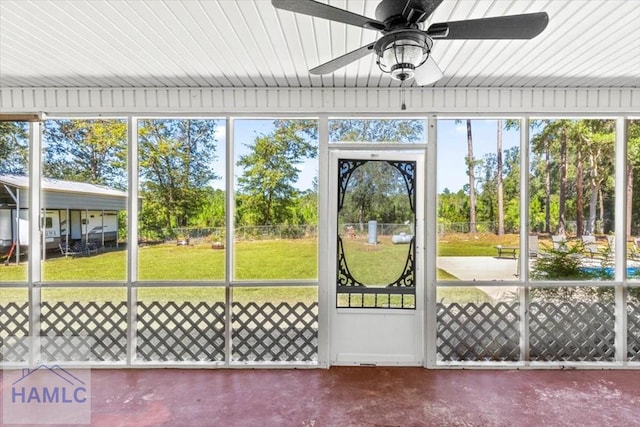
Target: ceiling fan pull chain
402, 98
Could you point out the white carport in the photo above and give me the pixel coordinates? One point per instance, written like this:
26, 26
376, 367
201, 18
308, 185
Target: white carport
71, 211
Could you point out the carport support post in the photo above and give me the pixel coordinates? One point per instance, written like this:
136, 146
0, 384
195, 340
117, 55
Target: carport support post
66, 237
86, 226
17, 237
102, 228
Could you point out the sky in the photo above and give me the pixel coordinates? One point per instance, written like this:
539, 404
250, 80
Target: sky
452, 149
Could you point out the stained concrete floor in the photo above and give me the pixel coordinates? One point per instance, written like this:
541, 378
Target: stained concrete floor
364, 396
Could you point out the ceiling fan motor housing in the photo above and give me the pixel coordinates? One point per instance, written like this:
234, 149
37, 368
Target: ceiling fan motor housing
404, 12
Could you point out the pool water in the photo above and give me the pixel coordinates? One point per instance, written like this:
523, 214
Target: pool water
631, 271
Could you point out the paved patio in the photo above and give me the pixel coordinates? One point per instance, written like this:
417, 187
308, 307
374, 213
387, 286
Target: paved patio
482, 268
486, 268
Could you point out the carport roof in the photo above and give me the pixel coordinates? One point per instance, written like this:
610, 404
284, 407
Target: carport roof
58, 185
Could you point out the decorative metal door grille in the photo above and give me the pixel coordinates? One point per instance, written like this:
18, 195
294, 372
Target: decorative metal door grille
187, 331
102, 324
572, 331
14, 326
472, 332
270, 332
633, 334
353, 293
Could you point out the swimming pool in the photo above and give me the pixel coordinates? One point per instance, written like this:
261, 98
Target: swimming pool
631, 271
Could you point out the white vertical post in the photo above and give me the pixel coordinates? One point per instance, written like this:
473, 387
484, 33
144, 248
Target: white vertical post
323, 234
523, 273
35, 239
68, 229
430, 241
102, 225
86, 227
132, 233
229, 239
620, 254
17, 238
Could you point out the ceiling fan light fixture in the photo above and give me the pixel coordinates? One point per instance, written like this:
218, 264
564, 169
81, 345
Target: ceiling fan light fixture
401, 53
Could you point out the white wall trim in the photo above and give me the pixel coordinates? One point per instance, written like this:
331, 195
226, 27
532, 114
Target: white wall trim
318, 100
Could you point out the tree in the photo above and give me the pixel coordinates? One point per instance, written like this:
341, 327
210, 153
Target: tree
211, 213
270, 172
86, 150
376, 190
563, 180
633, 164
579, 191
598, 138
14, 147
359, 130
470, 172
367, 181
553, 138
542, 142
175, 169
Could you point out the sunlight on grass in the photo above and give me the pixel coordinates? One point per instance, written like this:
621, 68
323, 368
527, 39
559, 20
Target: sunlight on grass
259, 260
379, 264
170, 262
84, 294
276, 295
181, 294
277, 259
462, 295
103, 267
469, 245
15, 295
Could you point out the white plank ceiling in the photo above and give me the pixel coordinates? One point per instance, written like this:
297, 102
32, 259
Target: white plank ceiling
248, 43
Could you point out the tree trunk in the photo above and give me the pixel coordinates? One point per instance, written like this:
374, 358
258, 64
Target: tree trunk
472, 191
499, 182
593, 202
595, 189
563, 182
579, 195
600, 210
547, 188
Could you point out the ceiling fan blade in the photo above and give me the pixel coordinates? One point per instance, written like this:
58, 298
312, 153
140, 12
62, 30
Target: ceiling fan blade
325, 11
428, 73
344, 60
525, 26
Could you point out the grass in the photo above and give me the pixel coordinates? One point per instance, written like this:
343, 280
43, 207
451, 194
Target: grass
379, 264
461, 295
278, 259
482, 244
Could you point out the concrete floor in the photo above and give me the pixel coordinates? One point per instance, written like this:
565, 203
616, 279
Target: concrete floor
361, 396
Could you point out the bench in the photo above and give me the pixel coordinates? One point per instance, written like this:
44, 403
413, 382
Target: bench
507, 250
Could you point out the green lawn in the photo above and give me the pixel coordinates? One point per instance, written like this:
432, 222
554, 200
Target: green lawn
259, 260
468, 245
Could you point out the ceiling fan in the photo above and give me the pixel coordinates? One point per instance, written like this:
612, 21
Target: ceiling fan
404, 50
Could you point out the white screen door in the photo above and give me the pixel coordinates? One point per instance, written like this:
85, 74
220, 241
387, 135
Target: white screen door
376, 275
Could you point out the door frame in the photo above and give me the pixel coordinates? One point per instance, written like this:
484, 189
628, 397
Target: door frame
413, 317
